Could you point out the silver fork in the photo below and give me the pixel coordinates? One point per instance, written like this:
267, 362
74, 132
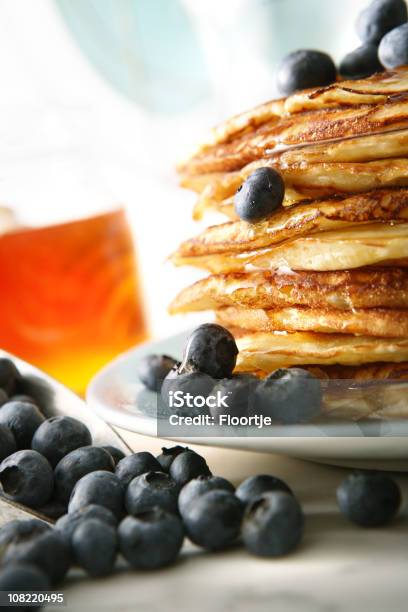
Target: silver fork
55, 399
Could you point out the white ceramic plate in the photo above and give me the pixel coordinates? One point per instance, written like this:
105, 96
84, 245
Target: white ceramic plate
119, 398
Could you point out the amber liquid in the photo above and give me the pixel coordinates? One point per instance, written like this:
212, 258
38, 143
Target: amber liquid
70, 296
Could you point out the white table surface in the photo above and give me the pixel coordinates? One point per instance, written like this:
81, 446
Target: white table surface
339, 567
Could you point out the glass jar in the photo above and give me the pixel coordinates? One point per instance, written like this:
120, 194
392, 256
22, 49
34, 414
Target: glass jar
70, 288
70, 295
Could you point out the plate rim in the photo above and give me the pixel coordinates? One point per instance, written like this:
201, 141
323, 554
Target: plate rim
321, 447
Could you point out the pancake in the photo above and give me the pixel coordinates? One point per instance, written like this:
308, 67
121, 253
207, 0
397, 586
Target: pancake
375, 391
377, 89
361, 149
386, 402
385, 323
344, 290
268, 351
352, 247
322, 283
309, 127
363, 373
298, 220
357, 393
305, 182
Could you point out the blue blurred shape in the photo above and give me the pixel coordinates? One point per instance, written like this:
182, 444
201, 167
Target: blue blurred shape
146, 49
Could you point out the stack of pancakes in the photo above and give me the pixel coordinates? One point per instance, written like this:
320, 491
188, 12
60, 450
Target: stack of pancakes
323, 282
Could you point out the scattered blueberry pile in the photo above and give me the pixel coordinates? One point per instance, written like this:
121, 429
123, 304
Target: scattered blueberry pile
287, 396
140, 506
383, 30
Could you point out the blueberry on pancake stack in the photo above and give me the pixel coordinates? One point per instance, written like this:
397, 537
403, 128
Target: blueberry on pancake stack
311, 267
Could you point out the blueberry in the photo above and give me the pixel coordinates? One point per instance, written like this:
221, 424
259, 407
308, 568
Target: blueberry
237, 393
168, 455
153, 369
23, 419
76, 464
27, 478
22, 397
210, 349
303, 69
199, 486
46, 550
149, 490
94, 546
9, 376
25, 578
254, 486
185, 393
100, 488
16, 529
360, 63
58, 436
151, 539
289, 396
135, 465
3, 397
213, 520
393, 49
67, 524
188, 465
115, 453
260, 195
273, 524
8, 444
369, 499
380, 17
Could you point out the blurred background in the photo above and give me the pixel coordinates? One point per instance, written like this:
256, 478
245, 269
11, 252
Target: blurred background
99, 99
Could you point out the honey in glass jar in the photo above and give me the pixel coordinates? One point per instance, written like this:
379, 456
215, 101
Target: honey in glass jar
70, 295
